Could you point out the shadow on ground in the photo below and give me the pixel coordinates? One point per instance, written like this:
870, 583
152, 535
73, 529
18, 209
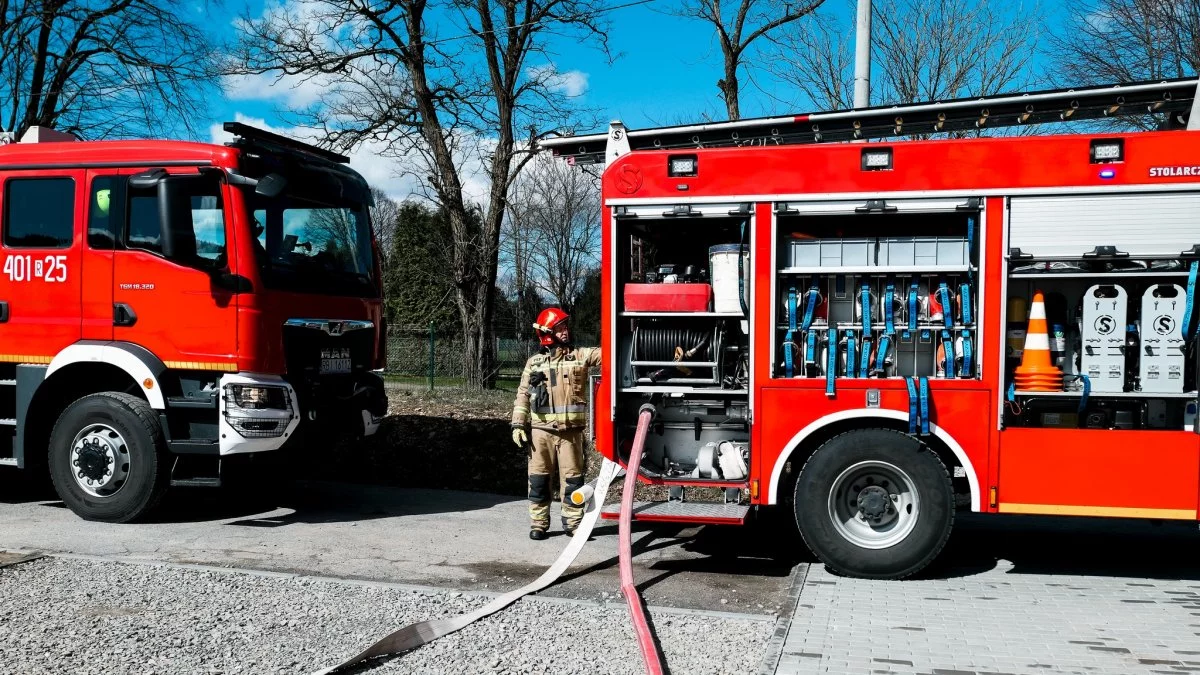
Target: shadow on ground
1067, 546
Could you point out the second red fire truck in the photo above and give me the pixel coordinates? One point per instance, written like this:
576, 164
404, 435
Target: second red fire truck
165, 306
873, 335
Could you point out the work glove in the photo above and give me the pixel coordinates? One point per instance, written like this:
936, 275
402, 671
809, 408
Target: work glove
519, 437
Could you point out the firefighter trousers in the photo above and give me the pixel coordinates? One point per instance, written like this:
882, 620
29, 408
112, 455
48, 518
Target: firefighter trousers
552, 451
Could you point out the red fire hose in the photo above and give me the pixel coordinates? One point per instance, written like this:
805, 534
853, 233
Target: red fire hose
637, 611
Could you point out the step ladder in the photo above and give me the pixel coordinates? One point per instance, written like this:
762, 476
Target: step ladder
678, 510
8, 425
1175, 98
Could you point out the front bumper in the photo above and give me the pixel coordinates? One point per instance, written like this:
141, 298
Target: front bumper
317, 411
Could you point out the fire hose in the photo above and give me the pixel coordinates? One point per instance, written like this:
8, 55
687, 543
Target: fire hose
417, 634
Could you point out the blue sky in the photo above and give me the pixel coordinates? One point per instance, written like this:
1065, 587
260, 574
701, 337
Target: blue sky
665, 72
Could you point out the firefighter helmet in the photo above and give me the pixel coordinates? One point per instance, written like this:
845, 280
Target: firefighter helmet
102, 201
546, 321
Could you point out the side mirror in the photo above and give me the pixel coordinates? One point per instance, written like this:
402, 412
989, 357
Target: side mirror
175, 214
147, 179
271, 185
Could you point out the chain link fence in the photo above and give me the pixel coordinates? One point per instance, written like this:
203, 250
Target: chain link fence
425, 358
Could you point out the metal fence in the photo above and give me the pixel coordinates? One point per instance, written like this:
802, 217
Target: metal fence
427, 358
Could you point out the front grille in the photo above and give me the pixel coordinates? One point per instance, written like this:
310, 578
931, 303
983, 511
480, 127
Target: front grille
302, 350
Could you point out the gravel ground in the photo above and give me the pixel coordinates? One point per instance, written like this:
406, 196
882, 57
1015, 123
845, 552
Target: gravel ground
76, 616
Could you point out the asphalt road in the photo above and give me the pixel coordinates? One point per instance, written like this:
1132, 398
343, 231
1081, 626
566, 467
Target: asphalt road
461, 540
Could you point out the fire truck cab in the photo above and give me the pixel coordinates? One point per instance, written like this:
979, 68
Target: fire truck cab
167, 305
873, 335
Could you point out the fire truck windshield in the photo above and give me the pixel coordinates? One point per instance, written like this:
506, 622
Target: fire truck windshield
310, 245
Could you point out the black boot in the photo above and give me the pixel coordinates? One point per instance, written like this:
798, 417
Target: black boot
537, 534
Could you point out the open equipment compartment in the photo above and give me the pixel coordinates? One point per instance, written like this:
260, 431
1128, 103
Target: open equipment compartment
683, 279
1112, 270
877, 290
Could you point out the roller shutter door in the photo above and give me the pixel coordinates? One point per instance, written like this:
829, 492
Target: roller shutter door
1142, 225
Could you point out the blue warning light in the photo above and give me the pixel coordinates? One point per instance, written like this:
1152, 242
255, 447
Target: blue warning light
1108, 173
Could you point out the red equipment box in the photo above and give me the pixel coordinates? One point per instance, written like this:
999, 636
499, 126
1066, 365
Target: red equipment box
667, 297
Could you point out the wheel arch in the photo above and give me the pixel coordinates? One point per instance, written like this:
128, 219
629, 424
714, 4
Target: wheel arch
807, 440
79, 370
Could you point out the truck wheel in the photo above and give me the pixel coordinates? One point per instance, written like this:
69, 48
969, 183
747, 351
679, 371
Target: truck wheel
106, 457
874, 503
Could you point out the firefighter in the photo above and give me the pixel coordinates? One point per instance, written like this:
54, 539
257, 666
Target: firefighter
552, 403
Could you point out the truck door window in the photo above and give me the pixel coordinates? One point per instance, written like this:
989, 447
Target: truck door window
102, 222
39, 213
207, 227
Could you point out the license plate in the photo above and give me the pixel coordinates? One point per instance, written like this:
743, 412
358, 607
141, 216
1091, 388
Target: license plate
335, 361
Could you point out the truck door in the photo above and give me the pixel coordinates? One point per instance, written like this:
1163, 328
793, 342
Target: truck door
104, 218
40, 284
168, 290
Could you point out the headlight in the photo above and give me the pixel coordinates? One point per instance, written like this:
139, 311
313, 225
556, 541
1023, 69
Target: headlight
256, 397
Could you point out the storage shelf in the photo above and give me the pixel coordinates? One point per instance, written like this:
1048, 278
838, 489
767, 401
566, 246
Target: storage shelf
1106, 394
730, 315
683, 390
880, 270
1089, 275
899, 327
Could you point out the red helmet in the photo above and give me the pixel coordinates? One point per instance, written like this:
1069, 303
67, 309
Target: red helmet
546, 321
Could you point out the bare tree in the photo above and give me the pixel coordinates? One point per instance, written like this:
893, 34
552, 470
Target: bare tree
384, 214
102, 68
447, 102
557, 209
737, 28
921, 50
1110, 41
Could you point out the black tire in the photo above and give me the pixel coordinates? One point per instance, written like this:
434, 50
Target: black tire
147, 467
930, 526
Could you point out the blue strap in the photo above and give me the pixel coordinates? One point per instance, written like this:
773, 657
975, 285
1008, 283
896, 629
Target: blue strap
924, 391
1087, 390
1011, 394
914, 304
864, 364
964, 294
851, 353
1189, 308
885, 344
914, 415
968, 356
810, 305
889, 310
947, 308
831, 363
810, 348
791, 334
970, 247
864, 301
948, 349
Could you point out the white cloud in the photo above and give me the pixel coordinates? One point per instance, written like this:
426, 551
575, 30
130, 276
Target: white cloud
570, 83
293, 90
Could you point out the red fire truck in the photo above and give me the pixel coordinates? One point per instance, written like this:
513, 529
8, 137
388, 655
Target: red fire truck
165, 306
839, 328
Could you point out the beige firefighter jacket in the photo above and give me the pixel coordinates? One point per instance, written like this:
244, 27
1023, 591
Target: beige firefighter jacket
564, 375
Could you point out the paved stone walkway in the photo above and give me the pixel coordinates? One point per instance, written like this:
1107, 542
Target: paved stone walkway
1009, 618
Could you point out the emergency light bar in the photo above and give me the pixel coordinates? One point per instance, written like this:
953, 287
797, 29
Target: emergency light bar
1173, 97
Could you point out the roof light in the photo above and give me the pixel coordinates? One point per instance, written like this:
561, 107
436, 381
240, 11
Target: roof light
682, 165
877, 159
1107, 150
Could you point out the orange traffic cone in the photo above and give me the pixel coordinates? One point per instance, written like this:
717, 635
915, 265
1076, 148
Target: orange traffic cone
1036, 372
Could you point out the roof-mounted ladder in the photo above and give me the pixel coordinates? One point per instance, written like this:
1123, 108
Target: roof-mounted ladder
1176, 98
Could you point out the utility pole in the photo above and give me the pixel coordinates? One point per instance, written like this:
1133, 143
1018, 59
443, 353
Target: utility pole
862, 55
